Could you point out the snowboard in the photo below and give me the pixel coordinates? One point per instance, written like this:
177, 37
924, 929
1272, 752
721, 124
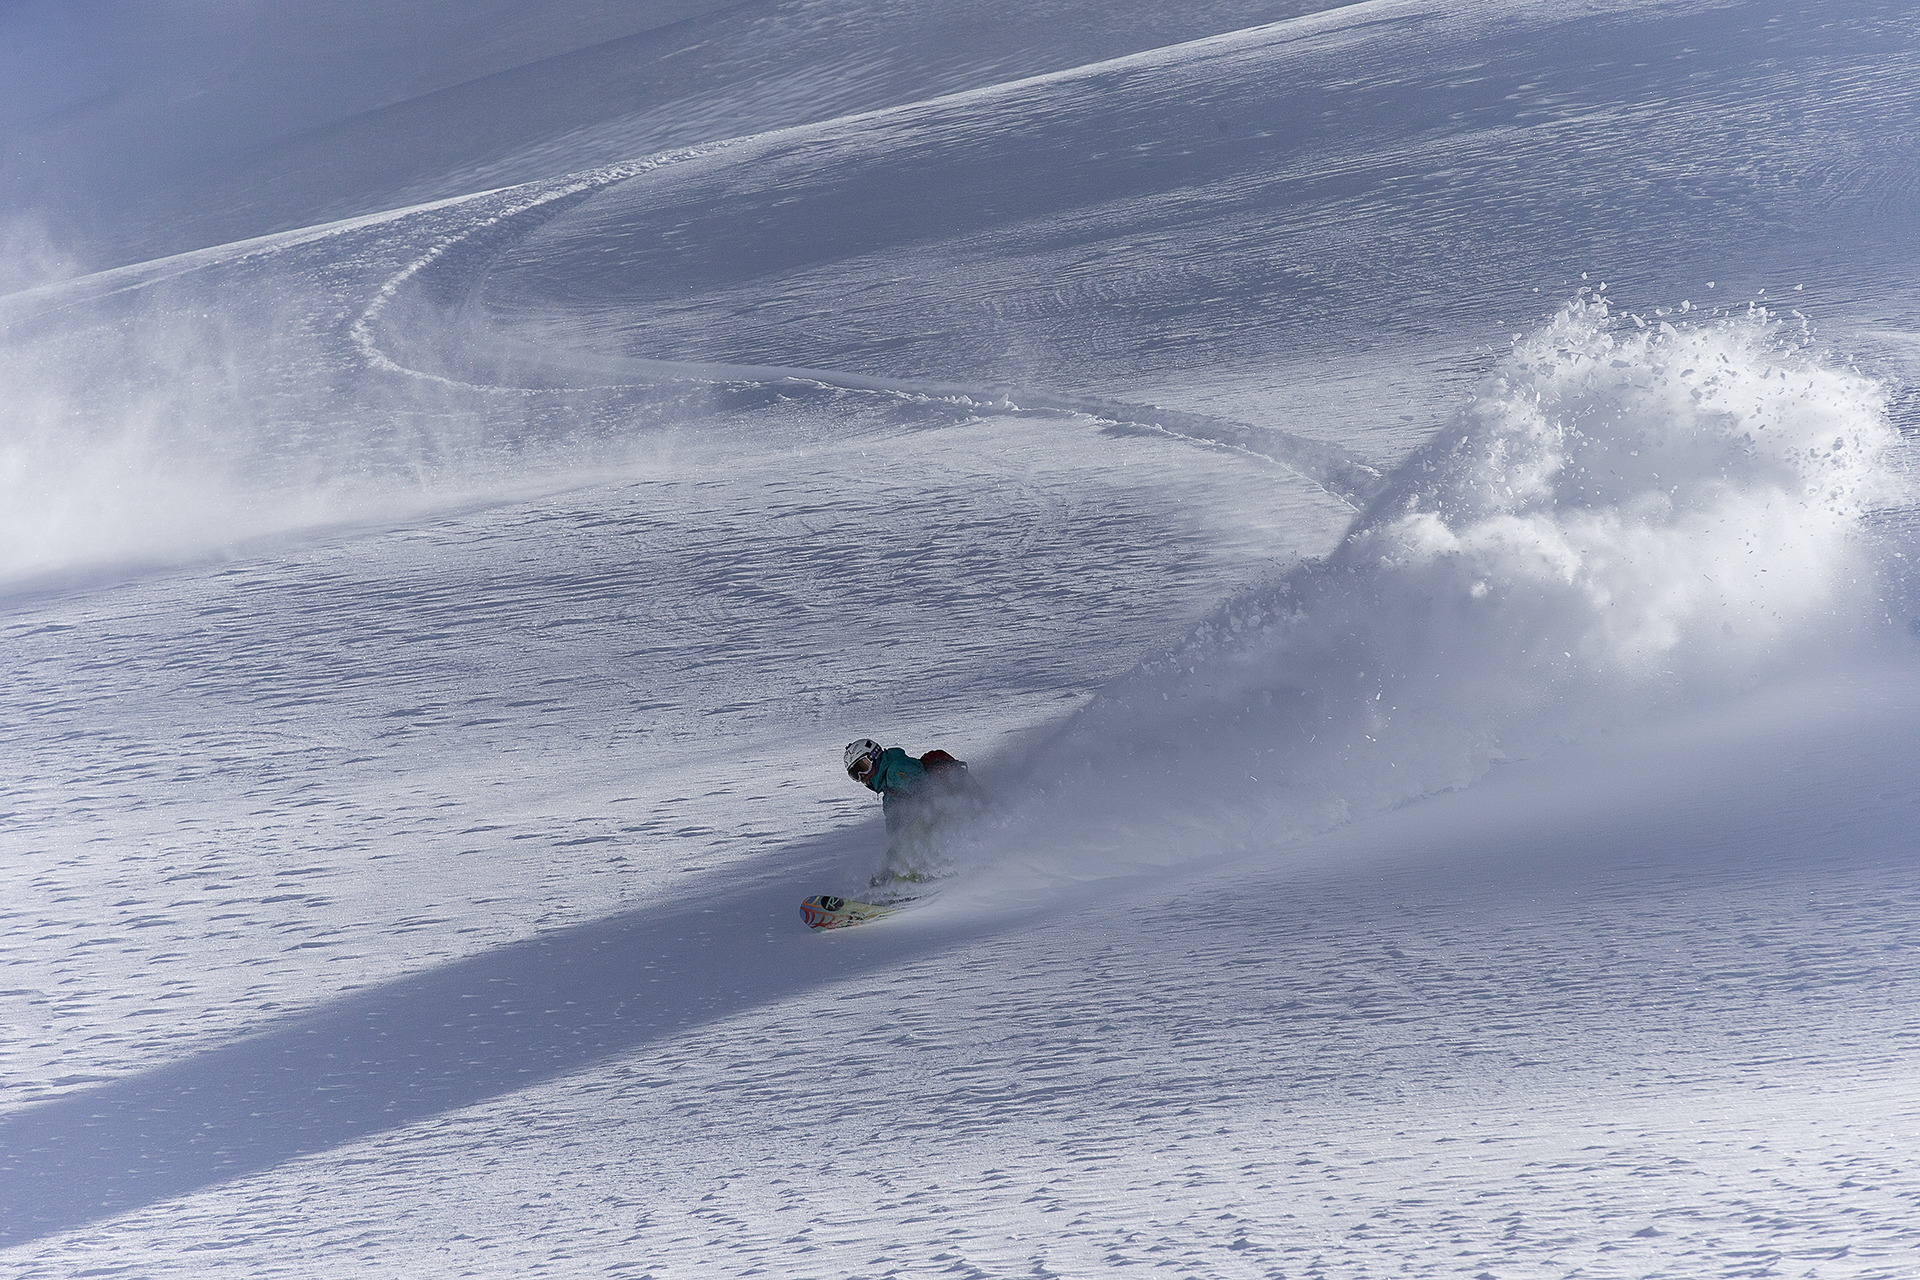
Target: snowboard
824, 911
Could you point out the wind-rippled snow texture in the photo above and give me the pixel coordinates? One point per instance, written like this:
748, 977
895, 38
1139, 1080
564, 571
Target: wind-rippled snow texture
1629, 512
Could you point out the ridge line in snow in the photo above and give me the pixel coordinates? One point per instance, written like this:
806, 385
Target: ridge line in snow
139, 275
1326, 22
1352, 17
1302, 27
607, 175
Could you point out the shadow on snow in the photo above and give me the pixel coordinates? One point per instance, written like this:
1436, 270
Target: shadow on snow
415, 1047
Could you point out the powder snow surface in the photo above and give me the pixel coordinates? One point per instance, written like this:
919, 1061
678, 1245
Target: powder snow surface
1407, 510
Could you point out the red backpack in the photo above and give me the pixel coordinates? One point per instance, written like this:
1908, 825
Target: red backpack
938, 762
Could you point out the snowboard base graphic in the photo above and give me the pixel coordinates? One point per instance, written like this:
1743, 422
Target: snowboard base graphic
824, 911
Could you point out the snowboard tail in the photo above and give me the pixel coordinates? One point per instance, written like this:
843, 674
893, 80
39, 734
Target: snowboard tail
824, 911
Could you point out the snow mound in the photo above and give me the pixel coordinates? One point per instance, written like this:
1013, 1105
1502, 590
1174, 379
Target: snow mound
1628, 514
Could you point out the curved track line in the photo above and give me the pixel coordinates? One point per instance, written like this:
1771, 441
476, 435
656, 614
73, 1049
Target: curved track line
541, 196
1343, 475
1339, 473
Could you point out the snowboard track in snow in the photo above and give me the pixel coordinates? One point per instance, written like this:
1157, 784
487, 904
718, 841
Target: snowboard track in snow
443, 278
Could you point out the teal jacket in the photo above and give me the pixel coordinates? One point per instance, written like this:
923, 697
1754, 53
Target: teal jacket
917, 795
897, 778
897, 775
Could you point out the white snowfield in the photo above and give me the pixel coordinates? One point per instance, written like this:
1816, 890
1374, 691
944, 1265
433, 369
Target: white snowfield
1406, 508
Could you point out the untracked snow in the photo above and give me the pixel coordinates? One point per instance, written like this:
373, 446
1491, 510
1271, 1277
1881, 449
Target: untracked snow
1407, 511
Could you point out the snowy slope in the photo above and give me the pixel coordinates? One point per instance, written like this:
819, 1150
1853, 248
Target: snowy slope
1593, 1020
133, 133
1405, 508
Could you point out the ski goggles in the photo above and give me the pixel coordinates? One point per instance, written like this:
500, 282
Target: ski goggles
863, 766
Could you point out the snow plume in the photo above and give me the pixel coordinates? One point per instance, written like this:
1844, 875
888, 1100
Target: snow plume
1628, 513
134, 442
29, 257
148, 424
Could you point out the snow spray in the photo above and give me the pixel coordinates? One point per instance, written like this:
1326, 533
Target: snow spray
1628, 514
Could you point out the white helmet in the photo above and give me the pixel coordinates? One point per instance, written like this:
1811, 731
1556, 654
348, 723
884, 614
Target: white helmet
862, 758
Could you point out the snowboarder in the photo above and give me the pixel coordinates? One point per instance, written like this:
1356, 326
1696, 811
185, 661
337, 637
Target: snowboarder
918, 797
